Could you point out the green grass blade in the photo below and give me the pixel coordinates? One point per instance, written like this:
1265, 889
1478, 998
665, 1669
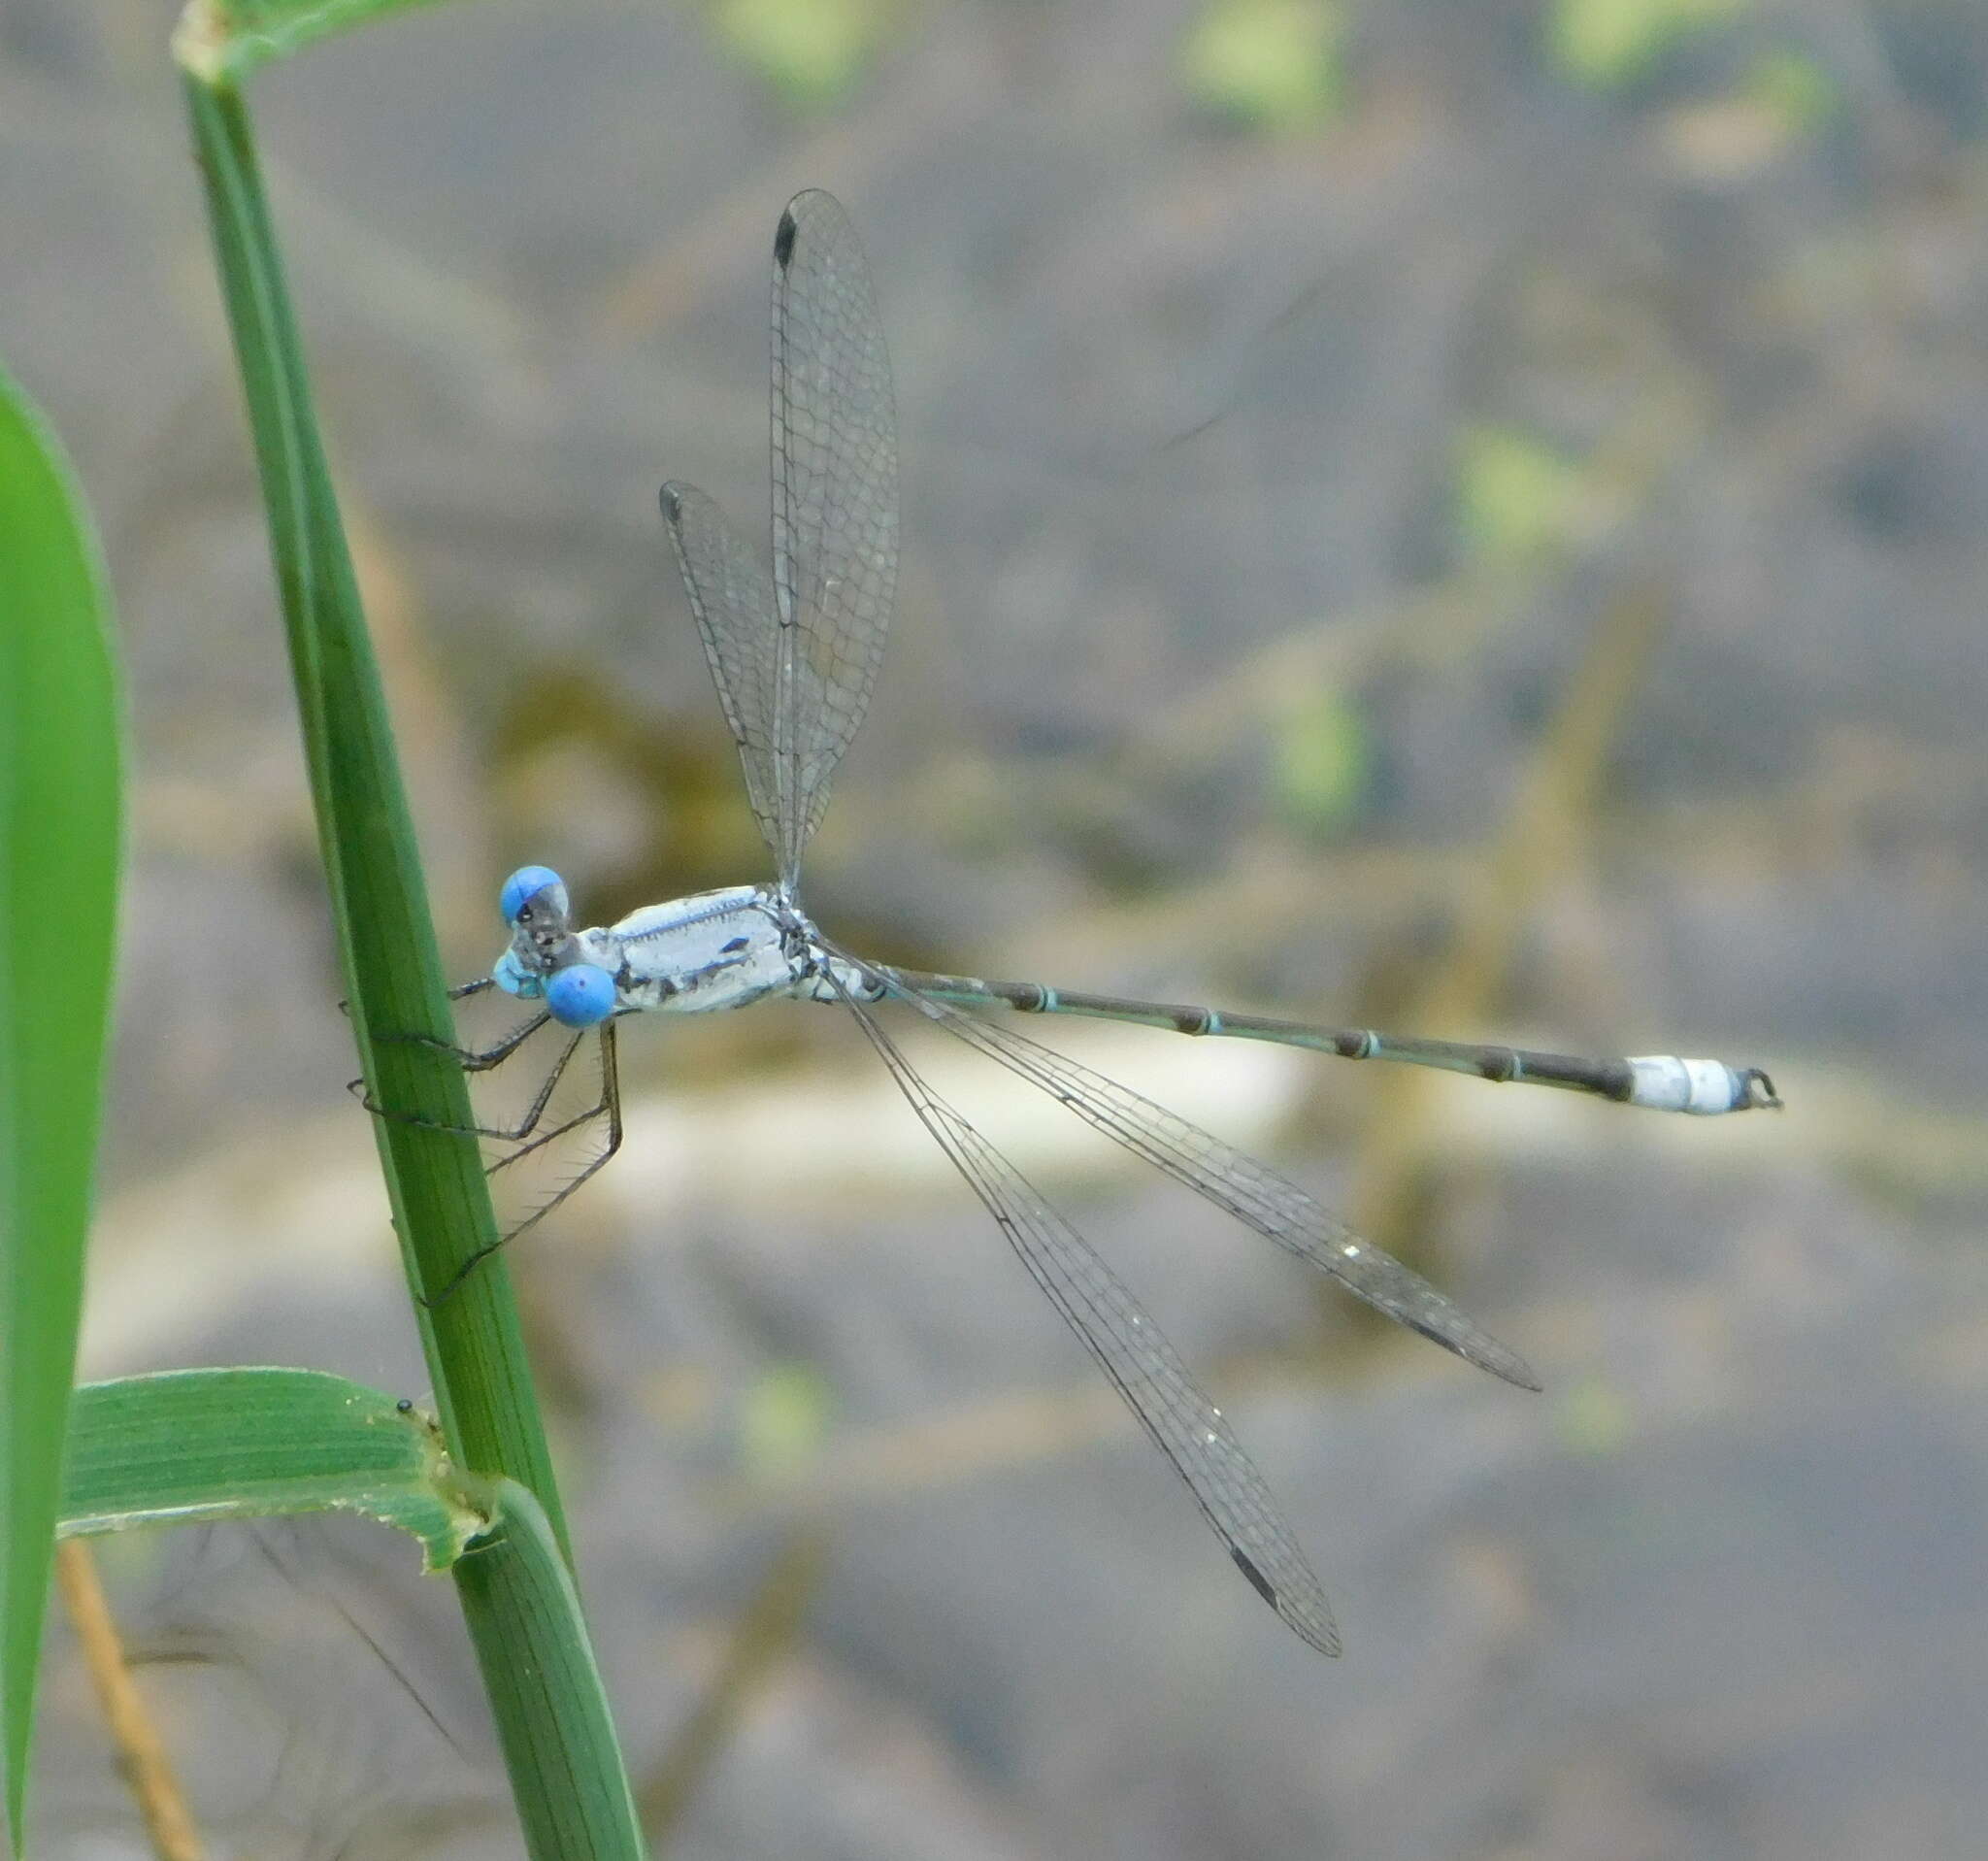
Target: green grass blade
191, 1445
567, 1775
59, 844
545, 1692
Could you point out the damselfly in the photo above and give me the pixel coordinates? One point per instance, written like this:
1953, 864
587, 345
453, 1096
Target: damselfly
795, 655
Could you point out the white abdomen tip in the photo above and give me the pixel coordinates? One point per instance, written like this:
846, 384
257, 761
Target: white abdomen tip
1666, 1083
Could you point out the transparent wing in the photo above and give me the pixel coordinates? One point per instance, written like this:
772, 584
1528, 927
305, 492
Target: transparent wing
732, 598
1254, 1193
1131, 1350
795, 657
835, 538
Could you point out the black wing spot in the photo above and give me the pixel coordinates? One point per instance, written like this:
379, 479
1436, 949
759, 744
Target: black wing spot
1258, 1581
783, 240
737, 944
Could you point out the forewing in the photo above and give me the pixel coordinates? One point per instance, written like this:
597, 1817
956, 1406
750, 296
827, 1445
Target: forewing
835, 505
733, 601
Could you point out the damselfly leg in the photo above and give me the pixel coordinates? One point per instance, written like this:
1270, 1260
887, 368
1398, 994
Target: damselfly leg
532, 1139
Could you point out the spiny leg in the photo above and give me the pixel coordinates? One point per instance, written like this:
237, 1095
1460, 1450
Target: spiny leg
472, 1059
477, 1060
608, 1106
558, 1131
513, 1135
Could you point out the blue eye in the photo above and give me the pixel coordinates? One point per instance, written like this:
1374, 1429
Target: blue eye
579, 995
525, 883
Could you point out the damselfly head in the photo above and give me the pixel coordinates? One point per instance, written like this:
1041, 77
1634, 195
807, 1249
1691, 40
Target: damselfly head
535, 908
544, 961
544, 948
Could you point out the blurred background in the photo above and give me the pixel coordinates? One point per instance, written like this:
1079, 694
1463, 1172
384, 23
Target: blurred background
1463, 519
